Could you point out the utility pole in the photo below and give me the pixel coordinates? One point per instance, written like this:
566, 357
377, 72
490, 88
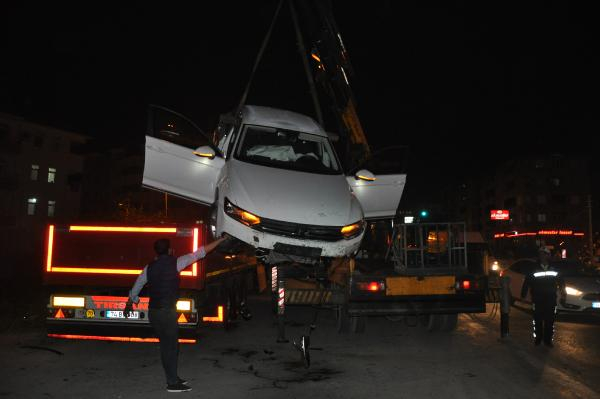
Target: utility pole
590, 230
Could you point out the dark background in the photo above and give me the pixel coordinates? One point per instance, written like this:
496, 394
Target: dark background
464, 85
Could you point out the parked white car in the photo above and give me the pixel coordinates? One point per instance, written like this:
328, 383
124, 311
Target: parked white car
273, 181
582, 284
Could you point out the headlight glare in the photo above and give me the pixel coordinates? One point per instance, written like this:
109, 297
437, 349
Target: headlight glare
573, 291
352, 230
242, 216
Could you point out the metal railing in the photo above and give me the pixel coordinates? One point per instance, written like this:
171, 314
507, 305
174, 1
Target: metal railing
422, 248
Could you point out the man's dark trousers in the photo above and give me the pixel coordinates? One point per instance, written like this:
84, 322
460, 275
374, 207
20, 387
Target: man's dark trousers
164, 322
543, 319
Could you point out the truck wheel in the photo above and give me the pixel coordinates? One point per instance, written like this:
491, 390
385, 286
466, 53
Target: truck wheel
342, 319
449, 322
359, 324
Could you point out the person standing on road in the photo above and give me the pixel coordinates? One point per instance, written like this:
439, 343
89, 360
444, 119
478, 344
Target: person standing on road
162, 276
544, 281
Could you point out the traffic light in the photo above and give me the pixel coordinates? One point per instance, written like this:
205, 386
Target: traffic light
424, 213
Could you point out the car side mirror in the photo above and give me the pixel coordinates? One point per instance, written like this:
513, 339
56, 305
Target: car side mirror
333, 137
365, 175
204, 152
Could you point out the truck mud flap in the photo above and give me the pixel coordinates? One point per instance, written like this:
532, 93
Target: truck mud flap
313, 297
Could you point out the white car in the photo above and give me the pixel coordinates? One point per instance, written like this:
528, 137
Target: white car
582, 284
273, 181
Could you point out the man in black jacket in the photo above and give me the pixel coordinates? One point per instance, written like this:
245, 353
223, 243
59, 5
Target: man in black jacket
544, 281
162, 276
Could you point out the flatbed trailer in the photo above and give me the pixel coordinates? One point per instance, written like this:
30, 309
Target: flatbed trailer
425, 274
89, 269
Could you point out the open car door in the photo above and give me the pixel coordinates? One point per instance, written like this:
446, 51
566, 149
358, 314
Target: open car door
180, 158
379, 182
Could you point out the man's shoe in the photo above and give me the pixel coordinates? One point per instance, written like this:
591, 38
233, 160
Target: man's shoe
179, 387
181, 381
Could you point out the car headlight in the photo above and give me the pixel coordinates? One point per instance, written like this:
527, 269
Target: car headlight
573, 291
242, 216
352, 230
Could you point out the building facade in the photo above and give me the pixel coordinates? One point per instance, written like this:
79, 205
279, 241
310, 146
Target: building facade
41, 174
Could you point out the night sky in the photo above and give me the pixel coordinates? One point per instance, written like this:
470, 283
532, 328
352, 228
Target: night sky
464, 85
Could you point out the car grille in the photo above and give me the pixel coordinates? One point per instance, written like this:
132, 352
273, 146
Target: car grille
591, 297
297, 230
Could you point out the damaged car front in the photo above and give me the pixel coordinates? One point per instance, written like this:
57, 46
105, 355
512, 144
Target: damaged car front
285, 192
272, 180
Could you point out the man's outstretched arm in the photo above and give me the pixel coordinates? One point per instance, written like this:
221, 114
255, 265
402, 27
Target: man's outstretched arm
186, 260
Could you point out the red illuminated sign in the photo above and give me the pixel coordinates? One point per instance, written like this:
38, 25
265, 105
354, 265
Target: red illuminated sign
499, 214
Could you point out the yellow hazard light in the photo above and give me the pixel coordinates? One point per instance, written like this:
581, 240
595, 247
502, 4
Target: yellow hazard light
182, 319
184, 305
68, 301
352, 230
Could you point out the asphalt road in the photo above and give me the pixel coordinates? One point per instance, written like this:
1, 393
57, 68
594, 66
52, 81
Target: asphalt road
390, 360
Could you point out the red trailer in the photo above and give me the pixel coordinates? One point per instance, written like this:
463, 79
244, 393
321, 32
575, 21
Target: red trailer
89, 269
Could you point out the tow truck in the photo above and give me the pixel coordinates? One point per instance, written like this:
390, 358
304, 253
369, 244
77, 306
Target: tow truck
417, 270
89, 269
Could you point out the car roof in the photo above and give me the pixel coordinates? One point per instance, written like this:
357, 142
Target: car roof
280, 118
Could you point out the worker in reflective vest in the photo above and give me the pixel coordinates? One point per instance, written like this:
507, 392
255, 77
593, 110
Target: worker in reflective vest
544, 282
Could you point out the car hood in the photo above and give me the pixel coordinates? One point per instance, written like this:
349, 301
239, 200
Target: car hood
291, 196
584, 284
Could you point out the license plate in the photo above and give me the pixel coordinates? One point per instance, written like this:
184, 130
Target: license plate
119, 314
596, 305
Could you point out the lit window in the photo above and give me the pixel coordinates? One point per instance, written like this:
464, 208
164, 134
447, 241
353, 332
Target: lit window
31, 206
541, 217
51, 175
51, 208
35, 169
